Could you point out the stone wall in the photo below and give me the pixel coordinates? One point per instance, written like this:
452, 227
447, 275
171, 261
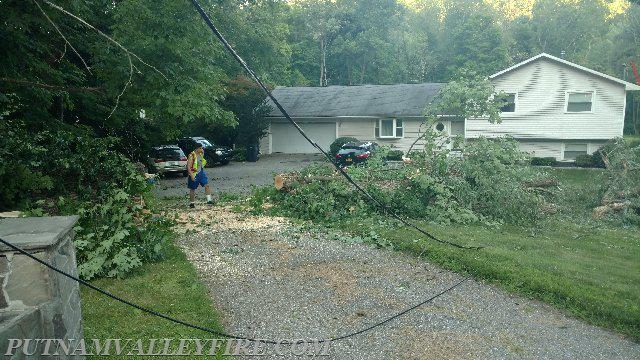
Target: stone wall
35, 301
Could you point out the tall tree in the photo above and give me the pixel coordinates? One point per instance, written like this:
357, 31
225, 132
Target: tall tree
471, 39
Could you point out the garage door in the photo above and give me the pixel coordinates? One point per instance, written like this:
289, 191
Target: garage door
286, 139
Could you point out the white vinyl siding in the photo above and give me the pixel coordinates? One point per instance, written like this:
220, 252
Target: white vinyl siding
542, 88
562, 151
542, 148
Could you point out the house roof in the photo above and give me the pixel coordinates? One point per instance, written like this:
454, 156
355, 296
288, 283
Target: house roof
363, 100
628, 86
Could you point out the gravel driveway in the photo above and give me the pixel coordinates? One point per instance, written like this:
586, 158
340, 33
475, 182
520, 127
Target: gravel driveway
271, 279
238, 177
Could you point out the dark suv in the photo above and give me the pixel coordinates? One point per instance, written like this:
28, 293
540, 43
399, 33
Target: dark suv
214, 154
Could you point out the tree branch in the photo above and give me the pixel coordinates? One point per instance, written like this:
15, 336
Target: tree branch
63, 37
105, 36
52, 87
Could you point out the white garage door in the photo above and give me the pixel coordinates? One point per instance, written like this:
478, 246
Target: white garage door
286, 139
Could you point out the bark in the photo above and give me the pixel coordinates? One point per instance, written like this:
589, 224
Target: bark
289, 181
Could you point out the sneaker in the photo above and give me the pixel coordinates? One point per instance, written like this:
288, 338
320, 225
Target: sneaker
192, 205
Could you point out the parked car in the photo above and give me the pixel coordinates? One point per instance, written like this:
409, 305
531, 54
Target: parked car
355, 152
167, 159
214, 154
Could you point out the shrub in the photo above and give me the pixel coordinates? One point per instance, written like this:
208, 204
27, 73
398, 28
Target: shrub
543, 161
337, 144
597, 159
632, 141
58, 172
585, 161
239, 154
394, 155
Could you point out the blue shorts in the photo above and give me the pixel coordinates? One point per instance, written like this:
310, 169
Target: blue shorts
201, 179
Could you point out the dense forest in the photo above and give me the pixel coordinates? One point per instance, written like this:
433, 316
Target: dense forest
160, 58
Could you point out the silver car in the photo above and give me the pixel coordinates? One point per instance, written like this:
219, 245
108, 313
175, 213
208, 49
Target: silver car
167, 159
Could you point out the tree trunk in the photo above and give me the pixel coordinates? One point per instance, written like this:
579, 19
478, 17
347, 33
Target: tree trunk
288, 181
323, 62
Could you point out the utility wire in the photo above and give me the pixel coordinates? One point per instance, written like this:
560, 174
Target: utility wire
212, 331
349, 179
375, 201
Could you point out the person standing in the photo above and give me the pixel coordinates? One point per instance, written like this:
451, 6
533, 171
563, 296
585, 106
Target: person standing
197, 175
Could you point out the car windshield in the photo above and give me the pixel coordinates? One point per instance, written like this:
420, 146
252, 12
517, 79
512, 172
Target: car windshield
351, 147
169, 152
204, 143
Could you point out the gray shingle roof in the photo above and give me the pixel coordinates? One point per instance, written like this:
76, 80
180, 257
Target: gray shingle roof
363, 100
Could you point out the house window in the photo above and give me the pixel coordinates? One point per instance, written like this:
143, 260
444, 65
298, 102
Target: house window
580, 101
389, 128
510, 103
571, 151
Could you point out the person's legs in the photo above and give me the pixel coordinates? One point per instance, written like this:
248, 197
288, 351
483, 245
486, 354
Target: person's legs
204, 181
207, 190
192, 185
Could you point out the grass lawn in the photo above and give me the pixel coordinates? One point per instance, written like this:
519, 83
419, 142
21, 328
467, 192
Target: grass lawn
170, 287
632, 139
589, 269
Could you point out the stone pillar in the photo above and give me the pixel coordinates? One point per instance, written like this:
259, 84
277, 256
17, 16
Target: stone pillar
37, 302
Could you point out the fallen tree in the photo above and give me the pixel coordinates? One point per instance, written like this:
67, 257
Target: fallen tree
490, 184
622, 182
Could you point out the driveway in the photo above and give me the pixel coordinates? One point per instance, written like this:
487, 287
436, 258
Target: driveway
238, 177
276, 280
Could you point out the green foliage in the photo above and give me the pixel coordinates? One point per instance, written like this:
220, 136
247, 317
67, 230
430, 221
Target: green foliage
471, 39
60, 173
622, 183
470, 95
239, 154
544, 161
115, 236
247, 102
585, 161
487, 185
632, 141
395, 155
491, 180
337, 144
597, 159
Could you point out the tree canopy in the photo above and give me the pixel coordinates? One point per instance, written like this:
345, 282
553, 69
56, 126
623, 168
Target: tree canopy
157, 58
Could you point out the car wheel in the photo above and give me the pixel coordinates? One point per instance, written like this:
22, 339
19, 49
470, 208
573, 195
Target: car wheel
225, 162
185, 173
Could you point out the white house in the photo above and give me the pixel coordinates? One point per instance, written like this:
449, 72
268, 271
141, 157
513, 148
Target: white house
557, 109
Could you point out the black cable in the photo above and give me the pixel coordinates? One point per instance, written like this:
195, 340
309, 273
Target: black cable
375, 201
209, 330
